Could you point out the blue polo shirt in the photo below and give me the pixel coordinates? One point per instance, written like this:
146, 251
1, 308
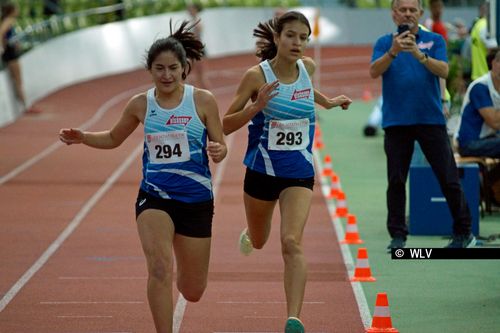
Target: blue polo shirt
411, 92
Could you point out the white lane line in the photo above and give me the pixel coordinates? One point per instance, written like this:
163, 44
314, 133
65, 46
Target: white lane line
84, 317
359, 294
103, 109
102, 277
180, 306
89, 302
69, 228
12, 292
264, 302
259, 332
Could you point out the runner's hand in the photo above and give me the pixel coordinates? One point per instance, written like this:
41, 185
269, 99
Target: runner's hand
216, 151
266, 93
71, 135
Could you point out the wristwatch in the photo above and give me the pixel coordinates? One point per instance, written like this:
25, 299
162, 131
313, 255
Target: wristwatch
424, 59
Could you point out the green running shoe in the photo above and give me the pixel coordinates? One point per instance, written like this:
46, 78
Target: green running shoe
294, 325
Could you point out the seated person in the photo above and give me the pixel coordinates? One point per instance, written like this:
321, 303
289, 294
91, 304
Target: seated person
478, 133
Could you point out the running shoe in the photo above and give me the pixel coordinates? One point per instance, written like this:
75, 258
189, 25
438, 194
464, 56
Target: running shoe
396, 243
462, 241
294, 325
246, 246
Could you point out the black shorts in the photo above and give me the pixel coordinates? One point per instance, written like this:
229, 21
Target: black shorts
190, 219
10, 53
268, 188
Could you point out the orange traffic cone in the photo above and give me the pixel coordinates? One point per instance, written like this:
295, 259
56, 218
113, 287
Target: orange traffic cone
381, 322
318, 140
317, 131
367, 95
318, 144
327, 166
362, 272
315, 31
341, 210
351, 231
334, 186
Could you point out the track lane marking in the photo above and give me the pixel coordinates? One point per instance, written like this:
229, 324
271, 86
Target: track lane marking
12, 292
359, 294
101, 111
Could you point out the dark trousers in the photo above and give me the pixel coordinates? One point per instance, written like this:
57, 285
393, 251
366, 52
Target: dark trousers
399, 142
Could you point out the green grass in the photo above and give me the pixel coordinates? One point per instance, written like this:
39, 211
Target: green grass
424, 296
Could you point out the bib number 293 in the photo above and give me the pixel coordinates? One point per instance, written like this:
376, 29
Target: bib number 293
288, 134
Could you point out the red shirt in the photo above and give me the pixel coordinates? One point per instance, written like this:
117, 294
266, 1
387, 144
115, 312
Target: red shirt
439, 28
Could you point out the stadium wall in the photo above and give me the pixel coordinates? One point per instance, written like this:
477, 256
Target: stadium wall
119, 47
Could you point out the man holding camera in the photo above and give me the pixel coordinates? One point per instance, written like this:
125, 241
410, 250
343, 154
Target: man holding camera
411, 63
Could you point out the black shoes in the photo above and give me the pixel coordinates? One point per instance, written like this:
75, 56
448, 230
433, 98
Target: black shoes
396, 243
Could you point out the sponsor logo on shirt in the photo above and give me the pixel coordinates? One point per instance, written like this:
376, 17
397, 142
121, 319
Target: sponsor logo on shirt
289, 124
423, 46
301, 94
180, 120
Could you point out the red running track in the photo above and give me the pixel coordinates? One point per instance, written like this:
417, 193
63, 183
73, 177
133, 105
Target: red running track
70, 257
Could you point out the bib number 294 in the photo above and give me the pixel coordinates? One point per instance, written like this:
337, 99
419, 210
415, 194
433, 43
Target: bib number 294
168, 147
167, 151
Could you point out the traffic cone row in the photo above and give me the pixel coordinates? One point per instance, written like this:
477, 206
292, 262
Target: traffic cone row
334, 186
318, 139
327, 166
381, 321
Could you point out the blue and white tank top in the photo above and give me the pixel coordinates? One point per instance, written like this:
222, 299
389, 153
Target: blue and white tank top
280, 137
481, 93
175, 162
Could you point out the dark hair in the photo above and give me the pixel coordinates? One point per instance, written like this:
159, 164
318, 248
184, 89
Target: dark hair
197, 5
266, 49
7, 9
183, 43
492, 55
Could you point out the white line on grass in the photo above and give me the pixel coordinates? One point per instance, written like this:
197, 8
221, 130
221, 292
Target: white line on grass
359, 294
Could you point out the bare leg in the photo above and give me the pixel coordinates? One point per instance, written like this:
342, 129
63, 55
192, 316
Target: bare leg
156, 231
192, 257
15, 72
259, 215
295, 203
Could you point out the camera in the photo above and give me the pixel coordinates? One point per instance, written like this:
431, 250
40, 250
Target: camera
402, 28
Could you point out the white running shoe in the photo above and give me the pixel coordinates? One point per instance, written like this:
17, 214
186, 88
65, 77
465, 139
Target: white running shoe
246, 246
